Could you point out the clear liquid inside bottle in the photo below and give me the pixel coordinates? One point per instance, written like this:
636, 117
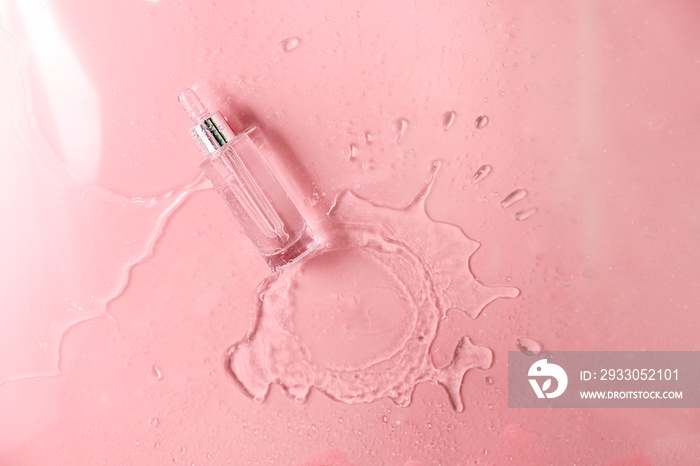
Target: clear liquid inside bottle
268, 216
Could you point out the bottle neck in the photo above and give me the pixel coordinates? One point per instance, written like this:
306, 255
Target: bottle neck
212, 133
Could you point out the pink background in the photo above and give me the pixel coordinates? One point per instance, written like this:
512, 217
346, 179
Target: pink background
123, 280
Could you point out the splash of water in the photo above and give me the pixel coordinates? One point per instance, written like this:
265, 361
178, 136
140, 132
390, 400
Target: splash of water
70, 246
356, 318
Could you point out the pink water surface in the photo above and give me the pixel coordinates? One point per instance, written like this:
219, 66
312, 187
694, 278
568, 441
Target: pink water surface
124, 279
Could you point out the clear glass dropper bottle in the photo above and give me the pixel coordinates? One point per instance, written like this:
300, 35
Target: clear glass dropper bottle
235, 164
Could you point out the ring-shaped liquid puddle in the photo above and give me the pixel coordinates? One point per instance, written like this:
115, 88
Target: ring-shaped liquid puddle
347, 305
356, 318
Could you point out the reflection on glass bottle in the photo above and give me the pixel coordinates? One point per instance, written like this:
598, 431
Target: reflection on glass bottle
235, 164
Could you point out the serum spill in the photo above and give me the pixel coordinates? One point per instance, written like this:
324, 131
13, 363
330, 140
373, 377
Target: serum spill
355, 319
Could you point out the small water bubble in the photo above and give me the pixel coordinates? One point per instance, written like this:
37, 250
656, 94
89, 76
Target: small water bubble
369, 138
481, 121
153, 421
385, 419
399, 127
488, 380
523, 214
528, 346
481, 173
156, 372
513, 197
447, 119
289, 44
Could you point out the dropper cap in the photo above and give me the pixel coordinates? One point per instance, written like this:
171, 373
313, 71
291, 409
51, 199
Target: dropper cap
211, 130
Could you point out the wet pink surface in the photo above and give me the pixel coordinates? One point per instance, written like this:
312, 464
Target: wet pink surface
124, 279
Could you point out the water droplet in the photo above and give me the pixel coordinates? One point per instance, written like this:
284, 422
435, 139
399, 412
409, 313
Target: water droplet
481, 173
528, 346
399, 127
488, 380
369, 138
447, 119
368, 338
153, 421
481, 121
289, 44
352, 150
385, 419
523, 214
513, 197
156, 373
